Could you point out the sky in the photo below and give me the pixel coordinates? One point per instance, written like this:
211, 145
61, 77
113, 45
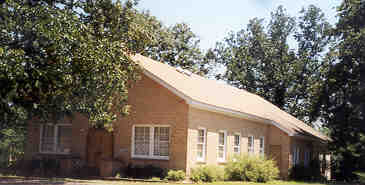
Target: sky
212, 20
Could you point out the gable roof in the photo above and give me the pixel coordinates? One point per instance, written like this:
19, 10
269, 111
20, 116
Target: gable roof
211, 95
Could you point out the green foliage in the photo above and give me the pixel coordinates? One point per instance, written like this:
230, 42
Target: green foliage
251, 168
177, 45
145, 172
259, 60
207, 173
61, 57
11, 146
175, 175
310, 172
342, 98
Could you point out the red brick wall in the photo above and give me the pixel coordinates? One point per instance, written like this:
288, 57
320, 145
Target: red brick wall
79, 135
152, 104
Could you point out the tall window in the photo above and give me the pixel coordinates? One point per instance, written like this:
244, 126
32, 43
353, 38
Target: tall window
151, 142
237, 144
222, 141
295, 155
55, 138
201, 144
262, 146
307, 157
250, 145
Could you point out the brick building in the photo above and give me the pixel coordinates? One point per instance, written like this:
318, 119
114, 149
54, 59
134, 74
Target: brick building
179, 120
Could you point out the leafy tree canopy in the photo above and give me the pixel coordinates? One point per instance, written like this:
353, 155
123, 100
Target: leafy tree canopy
59, 57
259, 59
176, 45
343, 96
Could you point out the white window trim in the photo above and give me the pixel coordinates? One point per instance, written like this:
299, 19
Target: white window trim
262, 150
202, 159
224, 146
239, 143
252, 145
150, 156
54, 138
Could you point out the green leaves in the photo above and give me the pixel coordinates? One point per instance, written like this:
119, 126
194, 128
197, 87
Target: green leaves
59, 58
259, 59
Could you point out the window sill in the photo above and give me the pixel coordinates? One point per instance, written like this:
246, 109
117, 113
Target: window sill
200, 161
220, 161
151, 157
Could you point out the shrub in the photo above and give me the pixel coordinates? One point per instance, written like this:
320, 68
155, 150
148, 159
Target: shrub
207, 173
251, 168
310, 172
175, 175
145, 172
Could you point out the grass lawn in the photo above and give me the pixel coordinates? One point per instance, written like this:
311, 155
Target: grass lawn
70, 181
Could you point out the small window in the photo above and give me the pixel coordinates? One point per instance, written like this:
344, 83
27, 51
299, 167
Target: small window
151, 142
201, 147
222, 141
55, 138
262, 146
250, 145
237, 144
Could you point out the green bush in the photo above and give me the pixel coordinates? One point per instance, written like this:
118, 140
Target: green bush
207, 173
251, 168
175, 175
310, 172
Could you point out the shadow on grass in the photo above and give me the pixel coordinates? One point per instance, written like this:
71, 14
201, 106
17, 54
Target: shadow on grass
12, 180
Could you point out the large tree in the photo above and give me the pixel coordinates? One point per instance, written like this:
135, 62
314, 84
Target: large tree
260, 60
60, 57
343, 96
176, 45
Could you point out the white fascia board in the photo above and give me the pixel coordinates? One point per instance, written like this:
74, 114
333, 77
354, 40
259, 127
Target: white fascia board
282, 128
213, 108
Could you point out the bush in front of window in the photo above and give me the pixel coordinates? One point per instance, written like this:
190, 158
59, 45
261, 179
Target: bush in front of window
207, 173
44, 167
175, 175
251, 168
145, 172
310, 172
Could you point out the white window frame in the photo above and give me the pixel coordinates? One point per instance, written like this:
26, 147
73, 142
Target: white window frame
204, 143
151, 147
238, 147
262, 149
251, 150
224, 146
55, 135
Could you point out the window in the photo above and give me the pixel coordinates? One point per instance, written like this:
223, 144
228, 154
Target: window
222, 141
306, 157
250, 145
262, 146
295, 155
151, 142
237, 144
55, 138
201, 144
